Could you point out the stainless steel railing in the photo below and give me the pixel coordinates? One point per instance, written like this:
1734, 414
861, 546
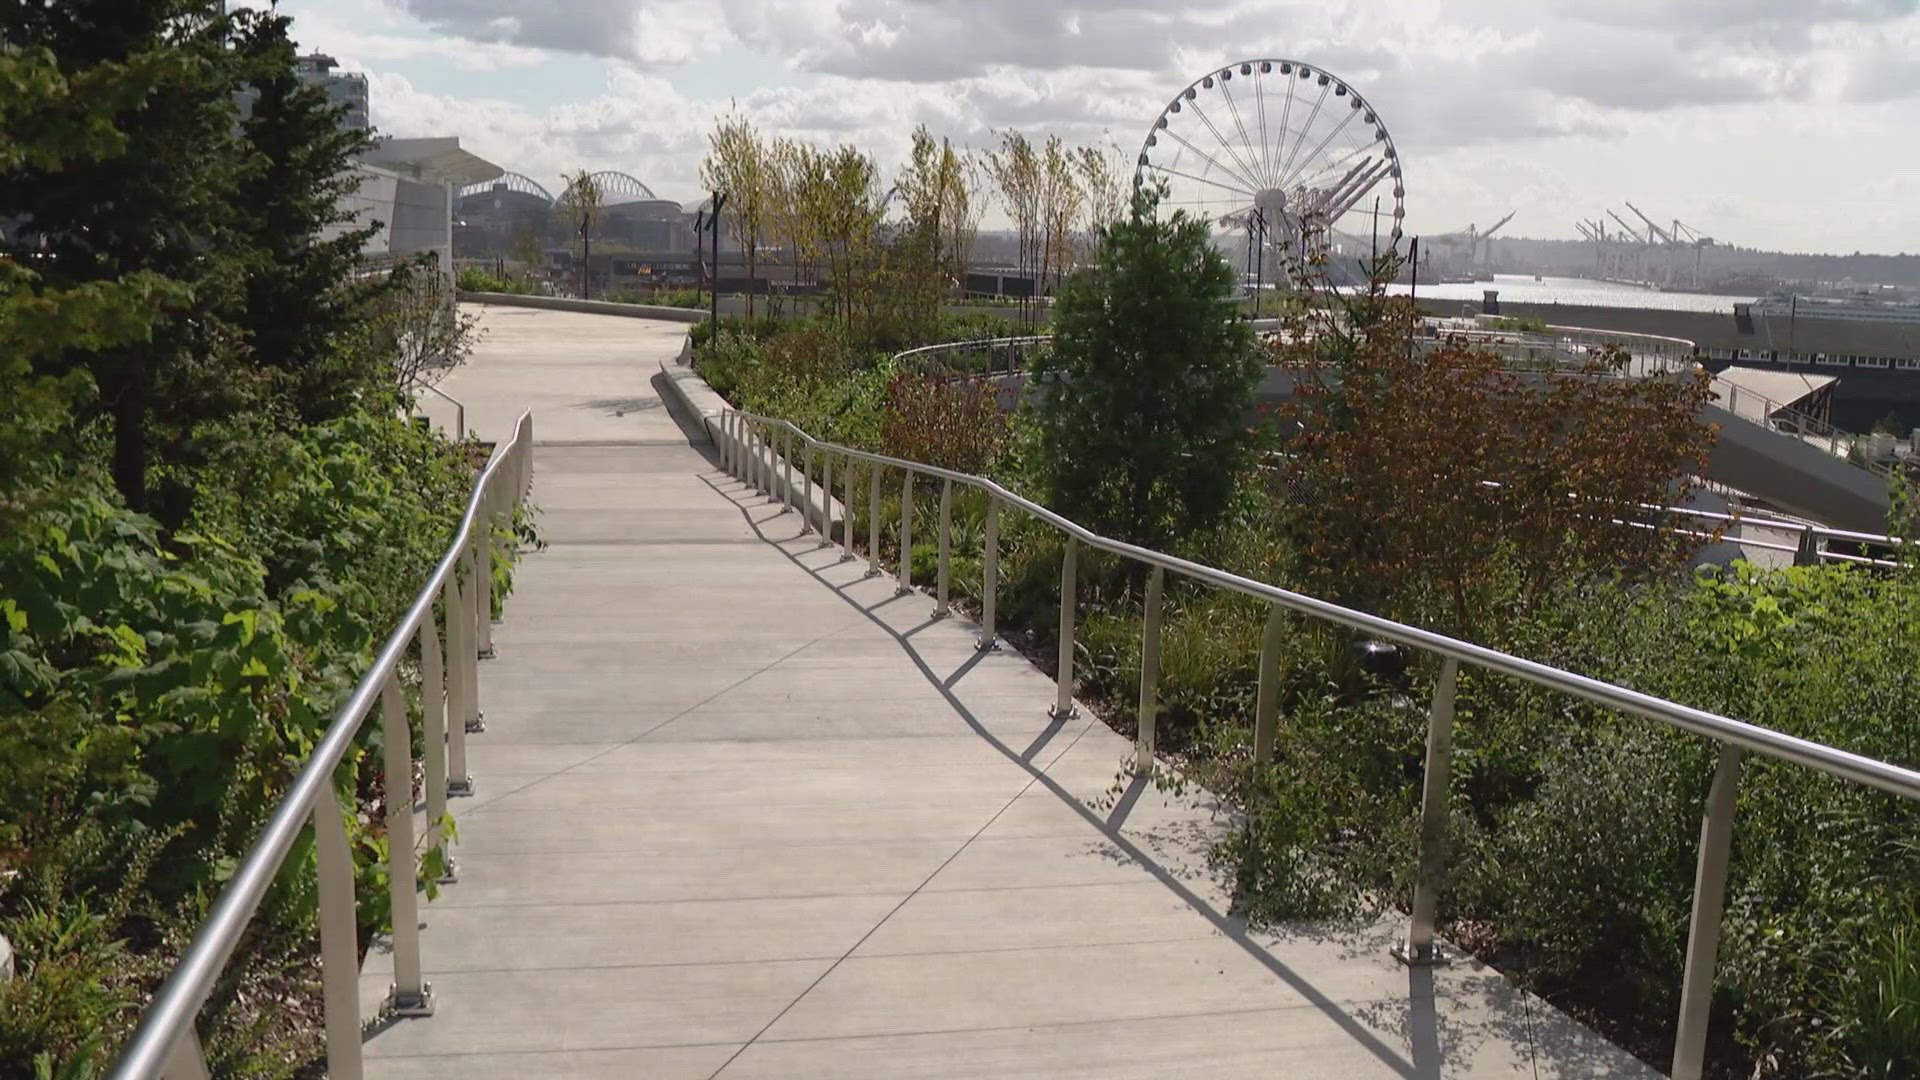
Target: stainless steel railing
761, 451
459, 409
166, 1043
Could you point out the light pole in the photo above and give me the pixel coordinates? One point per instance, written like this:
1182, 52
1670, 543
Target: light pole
712, 224
586, 253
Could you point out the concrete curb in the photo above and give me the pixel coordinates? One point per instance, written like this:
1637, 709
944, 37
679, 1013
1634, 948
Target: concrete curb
703, 403
589, 307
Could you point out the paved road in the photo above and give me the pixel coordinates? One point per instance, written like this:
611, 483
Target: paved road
744, 812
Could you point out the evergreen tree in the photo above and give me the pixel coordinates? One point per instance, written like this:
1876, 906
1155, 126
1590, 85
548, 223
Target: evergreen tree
54, 121
1142, 418
224, 181
162, 204
301, 299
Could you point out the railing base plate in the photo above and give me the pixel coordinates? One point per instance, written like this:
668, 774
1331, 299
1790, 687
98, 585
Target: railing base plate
460, 789
420, 1004
1439, 957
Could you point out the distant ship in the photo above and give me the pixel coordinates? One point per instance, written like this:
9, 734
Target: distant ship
1781, 306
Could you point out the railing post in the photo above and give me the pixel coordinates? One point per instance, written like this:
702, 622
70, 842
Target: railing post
769, 463
1266, 707
1432, 868
187, 1061
475, 618
460, 659
725, 441
410, 994
873, 522
806, 483
1069, 597
756, 457
1703, 929
433, 733
786, 442
339, 940
906, 532
826, 498
946, 547
483, 563
1150, 670
1807, 552
750, 445
848, 554
990, 574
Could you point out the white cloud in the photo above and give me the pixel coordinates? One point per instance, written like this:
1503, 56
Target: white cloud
1780, 115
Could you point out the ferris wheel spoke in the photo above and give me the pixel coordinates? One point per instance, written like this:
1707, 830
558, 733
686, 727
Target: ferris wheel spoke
1287, 169
1314, 154
1211, 160
1286, 116
1250, 175
1260, 105
1198, 179
1234, 108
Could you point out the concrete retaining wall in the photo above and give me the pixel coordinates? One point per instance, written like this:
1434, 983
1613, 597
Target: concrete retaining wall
704, 404
590, 307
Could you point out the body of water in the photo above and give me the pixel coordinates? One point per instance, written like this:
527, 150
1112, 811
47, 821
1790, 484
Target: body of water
1522, 289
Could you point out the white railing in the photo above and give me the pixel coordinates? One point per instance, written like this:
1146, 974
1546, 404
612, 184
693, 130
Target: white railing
763, 452
1786, 420
166, 1043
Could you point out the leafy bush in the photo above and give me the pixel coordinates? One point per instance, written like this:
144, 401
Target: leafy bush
163, 689
1140, 418
953, 423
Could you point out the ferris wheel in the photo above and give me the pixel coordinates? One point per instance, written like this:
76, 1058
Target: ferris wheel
1281, 150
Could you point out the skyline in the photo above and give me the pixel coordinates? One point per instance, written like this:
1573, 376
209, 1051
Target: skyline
1766, 123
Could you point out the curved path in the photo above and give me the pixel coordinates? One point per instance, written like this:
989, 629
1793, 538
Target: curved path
743, 812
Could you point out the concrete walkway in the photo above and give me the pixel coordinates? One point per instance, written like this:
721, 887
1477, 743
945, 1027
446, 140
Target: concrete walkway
743, 812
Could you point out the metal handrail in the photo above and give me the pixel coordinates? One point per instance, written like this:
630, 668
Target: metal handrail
459, 409
165, 1043
755, 448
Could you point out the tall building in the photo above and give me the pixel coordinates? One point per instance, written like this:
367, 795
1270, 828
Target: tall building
343, 88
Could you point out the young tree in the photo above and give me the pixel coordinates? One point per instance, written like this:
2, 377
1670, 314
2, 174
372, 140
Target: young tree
932, 190
579, 211
1435, 481
1061, 201
1142, 414
843, 199
738, 165
1016, 172
528, 253
415, 330
1103, 186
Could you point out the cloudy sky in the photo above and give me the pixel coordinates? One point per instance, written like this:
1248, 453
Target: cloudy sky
1788, 124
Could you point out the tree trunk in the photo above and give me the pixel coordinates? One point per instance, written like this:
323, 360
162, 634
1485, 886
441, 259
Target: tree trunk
130, 438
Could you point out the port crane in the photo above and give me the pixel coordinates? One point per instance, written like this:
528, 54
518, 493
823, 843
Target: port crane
1472, 239
1628, 252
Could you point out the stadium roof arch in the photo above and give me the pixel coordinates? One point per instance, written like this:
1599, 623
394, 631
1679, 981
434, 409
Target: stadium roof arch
513, 181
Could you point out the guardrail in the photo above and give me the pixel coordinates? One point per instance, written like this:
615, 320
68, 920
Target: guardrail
1789, 421
166, 1043
759, 449
459, 409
